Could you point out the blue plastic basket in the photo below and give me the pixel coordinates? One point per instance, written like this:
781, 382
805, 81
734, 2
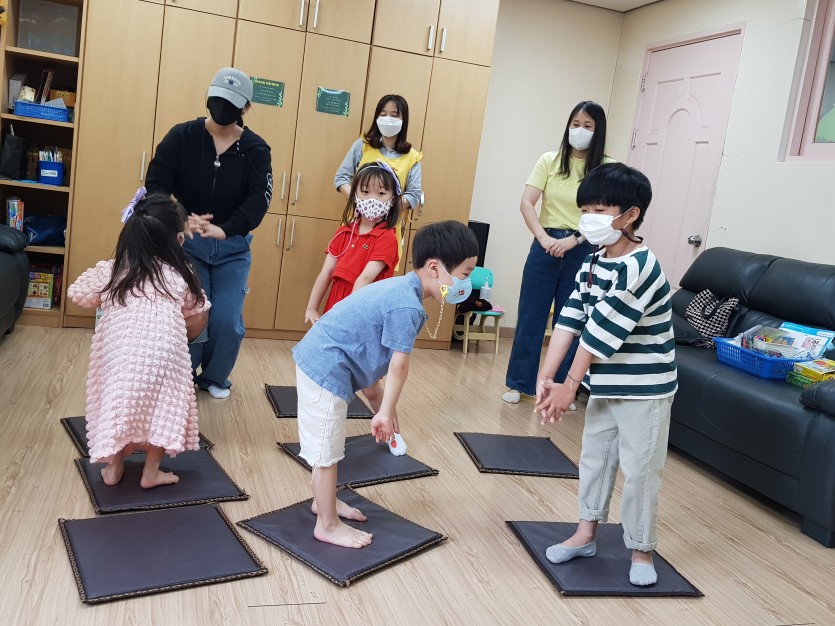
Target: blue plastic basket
752, 362
41, 111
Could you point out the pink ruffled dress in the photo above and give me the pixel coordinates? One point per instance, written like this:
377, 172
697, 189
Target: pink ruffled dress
139, 383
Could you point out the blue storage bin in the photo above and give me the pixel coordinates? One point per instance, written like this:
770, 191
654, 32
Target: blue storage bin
50, 173
752, 362
41, 111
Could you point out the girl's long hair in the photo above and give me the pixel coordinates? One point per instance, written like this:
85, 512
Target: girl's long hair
364, 175
595, 155
148, 242
374, 138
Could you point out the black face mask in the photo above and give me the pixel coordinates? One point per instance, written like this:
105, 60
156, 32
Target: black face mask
222, 111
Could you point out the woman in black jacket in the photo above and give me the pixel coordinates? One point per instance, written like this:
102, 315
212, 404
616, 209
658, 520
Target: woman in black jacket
221, 172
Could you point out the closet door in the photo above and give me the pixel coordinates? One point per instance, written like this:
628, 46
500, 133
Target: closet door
408, 25
284, 13
115, 127
323, 138
451, 139
346, 19
274, 54
466, 30
228, 8
194, 47
394, 72
267, 248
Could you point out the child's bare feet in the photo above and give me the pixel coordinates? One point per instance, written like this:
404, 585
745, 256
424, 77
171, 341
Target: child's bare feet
155, 479
340, 534
342, 510
112, 473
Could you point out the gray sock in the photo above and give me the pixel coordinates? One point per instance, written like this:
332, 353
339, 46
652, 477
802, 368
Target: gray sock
560, 554
642, 574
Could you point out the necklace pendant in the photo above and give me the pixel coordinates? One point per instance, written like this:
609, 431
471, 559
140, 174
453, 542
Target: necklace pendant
217, 161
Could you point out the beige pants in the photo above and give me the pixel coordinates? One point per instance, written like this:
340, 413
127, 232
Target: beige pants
631, 434
321, 423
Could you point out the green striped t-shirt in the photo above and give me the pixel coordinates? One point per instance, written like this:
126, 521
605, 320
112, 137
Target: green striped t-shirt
624, 318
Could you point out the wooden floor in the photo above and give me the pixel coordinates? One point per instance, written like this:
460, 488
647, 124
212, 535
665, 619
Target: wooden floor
750, 560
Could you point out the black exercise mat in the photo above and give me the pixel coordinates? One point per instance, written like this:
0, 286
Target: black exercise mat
367, 463
202, 480
607, 573
76, 428
285, 403
121, 556
395, 539
512, 454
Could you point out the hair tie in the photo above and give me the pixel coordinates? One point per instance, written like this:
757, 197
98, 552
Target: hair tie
137, 198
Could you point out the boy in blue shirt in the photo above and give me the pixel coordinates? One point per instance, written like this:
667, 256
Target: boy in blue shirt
364, 337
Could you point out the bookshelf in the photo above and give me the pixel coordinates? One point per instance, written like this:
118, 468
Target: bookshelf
32, 54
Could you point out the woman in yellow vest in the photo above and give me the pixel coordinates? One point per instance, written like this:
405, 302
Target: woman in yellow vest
386, 141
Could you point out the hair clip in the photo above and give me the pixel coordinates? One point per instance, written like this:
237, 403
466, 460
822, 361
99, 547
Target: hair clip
137, 198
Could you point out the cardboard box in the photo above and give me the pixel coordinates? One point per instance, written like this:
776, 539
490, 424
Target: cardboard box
67, 96
39, 295
799, 380
16, 82
817, 370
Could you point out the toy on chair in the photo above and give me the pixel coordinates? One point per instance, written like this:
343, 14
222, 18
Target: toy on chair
481, 279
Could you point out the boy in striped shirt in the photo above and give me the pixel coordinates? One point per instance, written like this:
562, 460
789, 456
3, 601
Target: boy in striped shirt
621, 311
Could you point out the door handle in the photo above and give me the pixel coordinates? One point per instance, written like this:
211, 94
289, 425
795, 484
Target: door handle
301, 14
431, 43
142, 167
316, 15
695, 240
292, 235
443, 39
278, 234
298, 183
283, 183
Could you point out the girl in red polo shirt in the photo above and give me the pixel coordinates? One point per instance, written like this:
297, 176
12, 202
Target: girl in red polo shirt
362, 252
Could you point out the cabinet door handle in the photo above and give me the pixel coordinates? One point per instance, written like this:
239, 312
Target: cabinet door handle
443, 39
298, 184
420, 207
316, 15
292, 235
142, 167
278, 234
301, 13
431, 43
283, 184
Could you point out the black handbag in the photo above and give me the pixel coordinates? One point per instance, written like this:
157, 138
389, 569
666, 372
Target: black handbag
14, 157
710, 315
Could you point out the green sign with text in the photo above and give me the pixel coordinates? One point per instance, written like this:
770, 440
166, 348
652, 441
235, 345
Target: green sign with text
266, 91
333, 101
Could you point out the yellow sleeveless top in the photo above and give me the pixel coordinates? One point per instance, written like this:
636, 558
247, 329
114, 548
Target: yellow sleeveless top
401, 166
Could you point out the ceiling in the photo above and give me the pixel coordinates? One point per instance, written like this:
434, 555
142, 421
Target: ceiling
617, 5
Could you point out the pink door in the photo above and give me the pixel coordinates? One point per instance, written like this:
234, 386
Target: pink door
683, 112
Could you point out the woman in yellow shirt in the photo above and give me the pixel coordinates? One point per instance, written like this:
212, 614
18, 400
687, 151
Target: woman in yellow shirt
558, 248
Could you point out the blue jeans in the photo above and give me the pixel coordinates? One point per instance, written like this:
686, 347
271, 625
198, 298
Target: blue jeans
223, 269
546, 280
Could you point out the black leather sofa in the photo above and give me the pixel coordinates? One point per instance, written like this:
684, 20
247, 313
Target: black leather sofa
760, 432
14, 277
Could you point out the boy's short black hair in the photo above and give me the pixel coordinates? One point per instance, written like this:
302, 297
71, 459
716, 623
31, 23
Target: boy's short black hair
616, 184
450, 242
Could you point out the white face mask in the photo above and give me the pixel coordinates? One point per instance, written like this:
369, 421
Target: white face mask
372, 209
580, 138
389, 126
597, 229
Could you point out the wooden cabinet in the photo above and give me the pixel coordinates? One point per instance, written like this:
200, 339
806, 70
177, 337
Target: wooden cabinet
275, 54
228, 8
451, 139
322, 139
115, 128
284, 13
461, 30
346, 19
305, 240
394, 72
194, 47
267, 249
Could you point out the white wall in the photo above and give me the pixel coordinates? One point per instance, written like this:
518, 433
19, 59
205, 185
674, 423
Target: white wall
548, 56
761, 204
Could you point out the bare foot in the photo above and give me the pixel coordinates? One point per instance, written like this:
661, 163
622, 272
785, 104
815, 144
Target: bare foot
112, 472
158, 478
341, 534
342, 510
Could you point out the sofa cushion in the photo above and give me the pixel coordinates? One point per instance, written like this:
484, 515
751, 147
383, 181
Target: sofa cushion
12, 240
759, 418
820, 397
726, 272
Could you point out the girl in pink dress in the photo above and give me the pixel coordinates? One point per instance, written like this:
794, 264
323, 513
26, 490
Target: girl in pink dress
140, 394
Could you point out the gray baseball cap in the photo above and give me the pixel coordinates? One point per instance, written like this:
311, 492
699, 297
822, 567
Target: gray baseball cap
232, 85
